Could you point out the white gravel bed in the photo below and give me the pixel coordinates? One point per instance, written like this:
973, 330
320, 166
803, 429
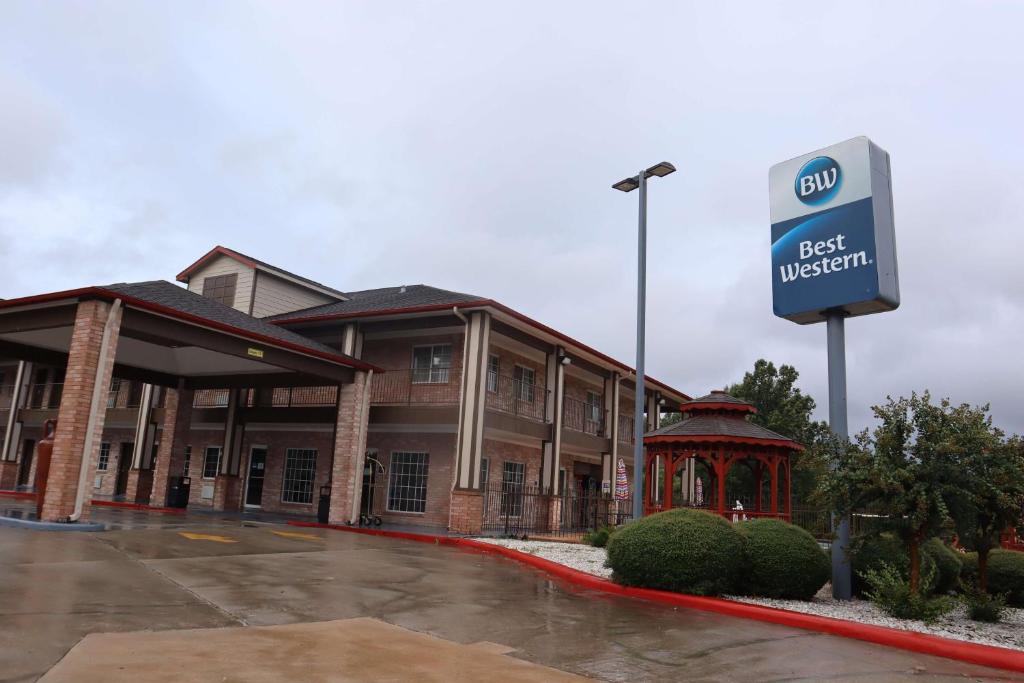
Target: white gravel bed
1008, 633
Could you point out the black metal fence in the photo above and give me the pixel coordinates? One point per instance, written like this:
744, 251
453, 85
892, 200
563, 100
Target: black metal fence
511, 509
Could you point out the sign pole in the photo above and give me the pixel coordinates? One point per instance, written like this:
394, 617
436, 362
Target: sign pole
836, 333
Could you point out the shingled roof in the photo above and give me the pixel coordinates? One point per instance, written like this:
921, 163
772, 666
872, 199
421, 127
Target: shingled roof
384, 299
172, 296
718, 425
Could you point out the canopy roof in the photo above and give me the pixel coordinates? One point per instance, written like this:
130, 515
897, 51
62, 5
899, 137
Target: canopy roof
168, 333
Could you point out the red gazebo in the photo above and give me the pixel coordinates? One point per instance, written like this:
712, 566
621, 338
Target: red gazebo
716, 431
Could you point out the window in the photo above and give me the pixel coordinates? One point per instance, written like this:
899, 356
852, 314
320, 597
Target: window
299, 473
115, 389
493, 366
188, 461
431, 364
211, 462
522, 379
485, 466
512, 476
104, 461
221, 288
407, 482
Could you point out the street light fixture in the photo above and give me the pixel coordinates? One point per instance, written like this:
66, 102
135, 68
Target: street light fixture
628, 185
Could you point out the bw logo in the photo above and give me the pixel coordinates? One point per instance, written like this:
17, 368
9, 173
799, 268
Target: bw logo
818, 181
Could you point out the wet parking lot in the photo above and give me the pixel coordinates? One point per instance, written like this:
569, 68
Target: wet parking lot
173, 572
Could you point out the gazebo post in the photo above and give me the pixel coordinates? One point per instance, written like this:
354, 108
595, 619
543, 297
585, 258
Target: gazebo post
758, 481
670, 475
721, 471
775, 484
789, 490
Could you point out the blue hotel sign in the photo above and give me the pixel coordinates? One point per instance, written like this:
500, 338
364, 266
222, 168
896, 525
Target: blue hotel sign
833, 242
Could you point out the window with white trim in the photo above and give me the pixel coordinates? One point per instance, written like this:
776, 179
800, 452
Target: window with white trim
493, 367
522, 379
407, 482
513, 474
104, 460
431, 364
188, 461
299, 475
594, 407
211, 462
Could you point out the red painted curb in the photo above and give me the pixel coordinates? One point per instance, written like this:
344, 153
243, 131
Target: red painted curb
138, 506
973, 653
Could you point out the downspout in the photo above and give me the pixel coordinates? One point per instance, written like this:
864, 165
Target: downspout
364, 426
97, 394
458, 432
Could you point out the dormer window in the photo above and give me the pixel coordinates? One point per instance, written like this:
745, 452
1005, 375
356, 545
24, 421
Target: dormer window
221, 288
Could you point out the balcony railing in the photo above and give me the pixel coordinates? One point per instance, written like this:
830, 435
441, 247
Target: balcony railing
292, 397
45, 396
509, 395
439, 385
6, 396
626, 423
210, 398
580, 416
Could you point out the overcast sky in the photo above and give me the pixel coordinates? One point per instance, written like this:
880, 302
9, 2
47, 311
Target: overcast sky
472, 145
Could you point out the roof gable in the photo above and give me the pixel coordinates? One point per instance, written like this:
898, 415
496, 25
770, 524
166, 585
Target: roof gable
256, 264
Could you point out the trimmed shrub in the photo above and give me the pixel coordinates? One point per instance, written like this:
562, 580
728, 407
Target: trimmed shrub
947, 564
599, 537
984, 607
1006, 575
871, 552
781, 561
969, 570
687, 551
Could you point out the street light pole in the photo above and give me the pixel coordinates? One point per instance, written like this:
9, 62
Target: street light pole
639, 181
641, 310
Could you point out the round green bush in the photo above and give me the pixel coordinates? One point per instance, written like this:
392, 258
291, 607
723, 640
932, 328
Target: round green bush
948, 564
1006, 575
687, 551
781, 561
872, 552
969, 569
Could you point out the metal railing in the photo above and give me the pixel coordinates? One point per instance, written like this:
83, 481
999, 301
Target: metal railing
626, 423
45, 396
509, 395
580, 416
292, 397
417, 386
6, 396
512, 509
211, 398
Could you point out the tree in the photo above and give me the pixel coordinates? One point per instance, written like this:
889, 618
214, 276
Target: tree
990, 491
783, 408
905, 470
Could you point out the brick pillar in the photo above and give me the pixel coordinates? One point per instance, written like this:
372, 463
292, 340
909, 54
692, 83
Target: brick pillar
227, 492
140, 476
8, 474
349, 446
227, 487
467, 512
170, 458
76, 405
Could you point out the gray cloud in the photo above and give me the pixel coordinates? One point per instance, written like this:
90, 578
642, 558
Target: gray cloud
472, 146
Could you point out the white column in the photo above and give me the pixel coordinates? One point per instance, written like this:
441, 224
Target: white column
145, 430
552, 452
19, 399
469, 441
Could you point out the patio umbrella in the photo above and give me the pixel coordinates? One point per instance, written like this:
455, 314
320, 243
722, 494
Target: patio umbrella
621, 482
698, 492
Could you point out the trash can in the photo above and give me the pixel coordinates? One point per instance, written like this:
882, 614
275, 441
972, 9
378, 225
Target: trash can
177, 495
323, 510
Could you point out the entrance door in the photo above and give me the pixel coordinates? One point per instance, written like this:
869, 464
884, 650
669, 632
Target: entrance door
124, 463
257, 468
28, 451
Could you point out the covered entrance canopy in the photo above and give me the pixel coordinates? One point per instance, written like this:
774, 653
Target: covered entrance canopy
160, 334
716, 431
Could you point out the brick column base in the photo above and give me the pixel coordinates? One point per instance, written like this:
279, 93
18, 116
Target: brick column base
139, 486
227, 493
555, 513
467, 512
8, 474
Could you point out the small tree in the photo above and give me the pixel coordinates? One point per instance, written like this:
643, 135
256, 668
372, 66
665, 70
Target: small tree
990, 491
902, 471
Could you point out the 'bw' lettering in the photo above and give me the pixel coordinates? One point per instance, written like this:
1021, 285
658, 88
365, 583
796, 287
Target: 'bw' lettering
818, 182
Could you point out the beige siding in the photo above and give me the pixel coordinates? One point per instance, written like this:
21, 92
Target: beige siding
274, 295
224, 265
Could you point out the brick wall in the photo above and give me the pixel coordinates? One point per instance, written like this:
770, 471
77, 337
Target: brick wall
441, 449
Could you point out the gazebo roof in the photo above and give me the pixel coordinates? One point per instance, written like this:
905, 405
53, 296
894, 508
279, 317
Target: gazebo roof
718, 418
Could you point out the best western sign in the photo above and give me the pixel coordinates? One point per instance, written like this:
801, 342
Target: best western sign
833, 244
